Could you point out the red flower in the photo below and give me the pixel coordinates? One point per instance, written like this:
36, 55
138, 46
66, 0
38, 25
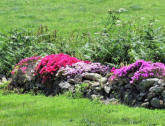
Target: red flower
51, 63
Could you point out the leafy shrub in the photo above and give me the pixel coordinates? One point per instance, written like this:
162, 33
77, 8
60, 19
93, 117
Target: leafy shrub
4, 84
19, 44
139, 70
124, 41
121, 41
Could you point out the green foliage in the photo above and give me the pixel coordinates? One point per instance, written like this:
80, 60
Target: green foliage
127, 41
79, 91
19, 44
120, 42
4, 84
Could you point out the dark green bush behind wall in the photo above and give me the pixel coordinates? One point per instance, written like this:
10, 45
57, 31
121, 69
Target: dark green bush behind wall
119, 42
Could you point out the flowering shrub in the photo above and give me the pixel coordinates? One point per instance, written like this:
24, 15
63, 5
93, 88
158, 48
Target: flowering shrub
22, 65
82, 67
50, 64
139, 70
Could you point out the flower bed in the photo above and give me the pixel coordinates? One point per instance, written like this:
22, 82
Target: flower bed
139, 84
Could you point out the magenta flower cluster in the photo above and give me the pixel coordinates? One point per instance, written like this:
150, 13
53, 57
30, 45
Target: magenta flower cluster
50, 64
82, 67
139, 70
22, 65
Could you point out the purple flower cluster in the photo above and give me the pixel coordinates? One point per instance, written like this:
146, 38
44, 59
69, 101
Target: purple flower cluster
81, 67
140, 70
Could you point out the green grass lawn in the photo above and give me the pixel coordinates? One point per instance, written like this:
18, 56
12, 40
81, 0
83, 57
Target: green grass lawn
28, 110
72, 15
67, 16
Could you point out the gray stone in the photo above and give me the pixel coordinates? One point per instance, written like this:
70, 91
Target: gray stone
156, 103
126, 97
128, 86
92, 76
145, 104
4, 79
71, 81
163, 94
151, 95
95, 84
142, 94
103, 80
111, 100
164, 100
93, 96
144, 84
156, 89
121, 82
161, 82
107, 89
88, 82
98, 88
64, 85
146, 100
139, 98
76, 80
20, 78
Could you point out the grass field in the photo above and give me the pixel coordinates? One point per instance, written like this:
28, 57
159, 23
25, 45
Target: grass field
28, 110
70, 15
67, 16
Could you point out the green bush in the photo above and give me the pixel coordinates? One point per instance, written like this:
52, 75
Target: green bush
127, 41
121, 41
19, 44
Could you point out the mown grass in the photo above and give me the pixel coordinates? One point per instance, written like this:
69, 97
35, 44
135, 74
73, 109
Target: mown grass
28, 110
67, 16
71, 15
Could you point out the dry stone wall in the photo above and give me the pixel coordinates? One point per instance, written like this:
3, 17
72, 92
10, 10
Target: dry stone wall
148, 92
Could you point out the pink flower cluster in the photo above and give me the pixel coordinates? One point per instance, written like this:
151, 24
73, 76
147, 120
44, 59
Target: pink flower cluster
50, 64
139, 70
22, 65
81, 67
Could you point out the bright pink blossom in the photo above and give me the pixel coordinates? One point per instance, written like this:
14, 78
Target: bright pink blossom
50, 64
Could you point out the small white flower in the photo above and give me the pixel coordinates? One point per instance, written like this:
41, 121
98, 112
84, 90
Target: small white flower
157, 20
118, 24
118, 21
122, 10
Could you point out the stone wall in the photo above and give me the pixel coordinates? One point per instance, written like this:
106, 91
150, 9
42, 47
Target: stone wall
148, 93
